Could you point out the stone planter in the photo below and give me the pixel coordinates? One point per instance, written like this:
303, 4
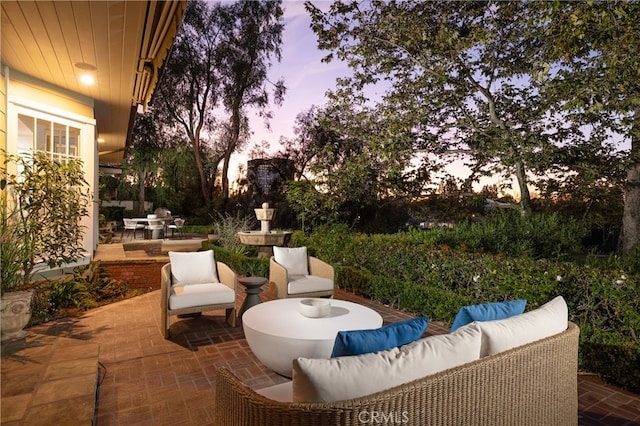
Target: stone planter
15, 310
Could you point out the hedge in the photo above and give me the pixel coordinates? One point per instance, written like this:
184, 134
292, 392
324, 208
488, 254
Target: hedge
435, 281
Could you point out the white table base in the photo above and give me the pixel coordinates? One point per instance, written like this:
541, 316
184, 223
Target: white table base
277, 333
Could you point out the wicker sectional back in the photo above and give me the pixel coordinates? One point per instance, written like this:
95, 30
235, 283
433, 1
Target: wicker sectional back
534, 384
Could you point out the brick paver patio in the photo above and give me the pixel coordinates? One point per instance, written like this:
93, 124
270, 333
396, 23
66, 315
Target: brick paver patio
147, 380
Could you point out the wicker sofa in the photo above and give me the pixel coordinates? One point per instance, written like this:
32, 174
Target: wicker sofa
534, 384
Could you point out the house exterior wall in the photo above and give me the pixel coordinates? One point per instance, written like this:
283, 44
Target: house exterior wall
25, 95
3, 113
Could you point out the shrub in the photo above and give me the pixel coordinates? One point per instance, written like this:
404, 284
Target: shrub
67, 294
327, 242
226, 229
241, 264
511, 234
88, 287
409, 273
353, 280
50, 201
614, 357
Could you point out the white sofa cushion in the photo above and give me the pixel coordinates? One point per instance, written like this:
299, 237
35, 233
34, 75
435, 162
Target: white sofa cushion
199, 295
335, 379
293, 259
501, 335
193, 268
308, 284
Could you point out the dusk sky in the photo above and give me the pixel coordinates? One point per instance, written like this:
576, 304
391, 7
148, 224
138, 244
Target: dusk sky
306, 77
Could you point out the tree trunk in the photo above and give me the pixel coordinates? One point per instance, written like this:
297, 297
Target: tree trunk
204, 182
142, 179
231, 147
525, 196
631, 213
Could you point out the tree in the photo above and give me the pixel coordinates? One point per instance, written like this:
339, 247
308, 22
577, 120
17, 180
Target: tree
142, 157
189, 91
347, 155
178, 187
252, 34
463, 76
596, 44
217, 68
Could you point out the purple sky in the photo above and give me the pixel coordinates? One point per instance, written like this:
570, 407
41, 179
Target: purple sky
306, 77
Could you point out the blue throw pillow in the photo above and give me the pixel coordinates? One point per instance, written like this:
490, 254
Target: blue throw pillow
488, 312
357, 342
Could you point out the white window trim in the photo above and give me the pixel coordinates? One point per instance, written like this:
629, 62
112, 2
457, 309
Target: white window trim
48, 110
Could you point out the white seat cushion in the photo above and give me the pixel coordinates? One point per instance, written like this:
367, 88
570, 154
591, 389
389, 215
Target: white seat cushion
308, 283
193, 268
293, 259
199, 295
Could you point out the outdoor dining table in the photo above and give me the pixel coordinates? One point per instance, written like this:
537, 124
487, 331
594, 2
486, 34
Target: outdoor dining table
165, 221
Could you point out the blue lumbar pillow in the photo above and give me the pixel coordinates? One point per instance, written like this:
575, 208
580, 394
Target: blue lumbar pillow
358, 342
488, 312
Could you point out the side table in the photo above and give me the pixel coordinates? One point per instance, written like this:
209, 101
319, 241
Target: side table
252, 289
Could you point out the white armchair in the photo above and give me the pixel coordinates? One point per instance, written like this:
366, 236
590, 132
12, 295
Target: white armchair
292, 273
194, 283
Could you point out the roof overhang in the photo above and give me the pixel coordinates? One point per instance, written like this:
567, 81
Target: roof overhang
121, 44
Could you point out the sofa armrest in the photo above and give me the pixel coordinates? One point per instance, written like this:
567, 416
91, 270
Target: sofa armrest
165, 284
279, 276
227, 276
165, 291
320, 268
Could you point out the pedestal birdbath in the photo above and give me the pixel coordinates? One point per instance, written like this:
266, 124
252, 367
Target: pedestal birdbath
265, 238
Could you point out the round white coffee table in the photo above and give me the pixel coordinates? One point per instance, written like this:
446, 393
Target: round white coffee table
277, 333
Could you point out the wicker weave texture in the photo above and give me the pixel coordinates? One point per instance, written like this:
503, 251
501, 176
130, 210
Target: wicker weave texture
535, 384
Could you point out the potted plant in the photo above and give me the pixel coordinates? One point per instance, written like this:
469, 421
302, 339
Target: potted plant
42, 207
15, 306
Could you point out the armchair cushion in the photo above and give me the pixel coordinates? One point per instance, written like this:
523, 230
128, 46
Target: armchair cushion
335, 379
299, 284
488, 312
293, 259
191, 295
357, 342
193, 268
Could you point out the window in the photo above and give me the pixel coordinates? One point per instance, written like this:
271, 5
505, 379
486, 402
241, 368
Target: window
59, 140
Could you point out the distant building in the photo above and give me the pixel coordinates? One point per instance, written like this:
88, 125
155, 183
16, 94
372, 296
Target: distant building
266, 178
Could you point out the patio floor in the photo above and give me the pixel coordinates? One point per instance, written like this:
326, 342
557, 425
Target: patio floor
147, 380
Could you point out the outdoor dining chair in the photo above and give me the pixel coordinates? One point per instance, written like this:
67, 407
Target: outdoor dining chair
132, 226
155, 227
176, 226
